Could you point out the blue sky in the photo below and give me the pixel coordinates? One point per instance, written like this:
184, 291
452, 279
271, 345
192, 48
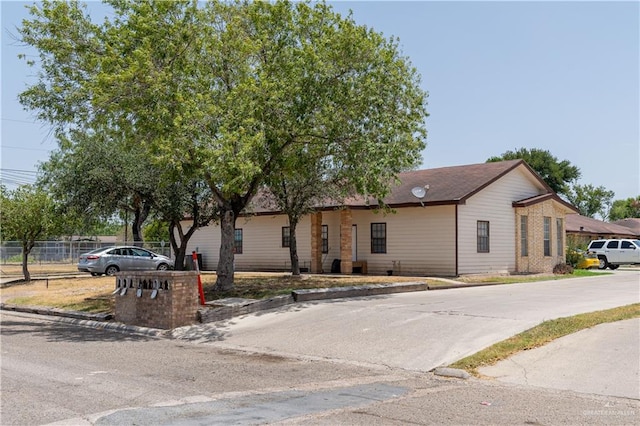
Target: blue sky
559, 76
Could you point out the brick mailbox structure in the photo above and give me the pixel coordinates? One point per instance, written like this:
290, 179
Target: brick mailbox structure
157, 299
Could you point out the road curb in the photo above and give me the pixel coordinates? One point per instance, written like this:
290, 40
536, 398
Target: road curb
56, 312
461, 285
357, 291
99, 325
451, 372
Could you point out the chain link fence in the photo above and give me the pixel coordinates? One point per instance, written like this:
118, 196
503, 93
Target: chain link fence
66, 251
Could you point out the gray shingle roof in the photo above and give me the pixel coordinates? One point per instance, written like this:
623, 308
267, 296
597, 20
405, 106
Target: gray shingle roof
446, 185
633, 224
582, 224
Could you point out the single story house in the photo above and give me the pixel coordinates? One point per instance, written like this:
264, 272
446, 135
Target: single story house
582, 229
482, 218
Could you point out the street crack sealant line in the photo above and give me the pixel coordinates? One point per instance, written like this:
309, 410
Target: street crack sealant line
251, 409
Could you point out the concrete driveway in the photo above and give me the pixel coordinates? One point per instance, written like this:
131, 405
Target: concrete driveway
417, 331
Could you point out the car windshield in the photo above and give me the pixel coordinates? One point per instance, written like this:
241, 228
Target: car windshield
637, 242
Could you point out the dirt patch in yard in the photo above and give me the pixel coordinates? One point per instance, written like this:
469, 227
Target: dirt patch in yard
258, 286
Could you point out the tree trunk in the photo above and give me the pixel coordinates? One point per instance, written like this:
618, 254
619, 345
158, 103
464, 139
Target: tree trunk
25, 262
181, 255
224, 282
293, 248
179, 249
139, 216
136, 229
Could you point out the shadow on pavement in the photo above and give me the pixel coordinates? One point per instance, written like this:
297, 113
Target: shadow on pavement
61, 331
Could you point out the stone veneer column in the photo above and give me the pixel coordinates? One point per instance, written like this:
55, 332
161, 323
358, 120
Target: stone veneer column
346, 222
316, 243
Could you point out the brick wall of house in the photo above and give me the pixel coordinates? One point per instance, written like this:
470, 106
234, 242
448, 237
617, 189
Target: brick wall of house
316, 243
536, 261
175, 304
346, 222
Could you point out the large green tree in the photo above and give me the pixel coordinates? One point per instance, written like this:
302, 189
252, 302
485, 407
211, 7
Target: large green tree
557, 174
97, 177
623, 209
228, 90
29, 214
591, 200
308, 81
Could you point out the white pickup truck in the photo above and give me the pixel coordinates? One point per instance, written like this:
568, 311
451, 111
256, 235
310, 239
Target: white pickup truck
615, 252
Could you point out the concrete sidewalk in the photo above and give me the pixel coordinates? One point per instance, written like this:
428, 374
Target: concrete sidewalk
603, 360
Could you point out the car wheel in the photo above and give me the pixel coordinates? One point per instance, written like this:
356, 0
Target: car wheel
163, 267
111, 270
613, 267
603, 262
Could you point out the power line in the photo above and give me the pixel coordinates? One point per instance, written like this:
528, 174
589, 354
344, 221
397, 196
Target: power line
15, 177
19, 121
28, 172
26, 149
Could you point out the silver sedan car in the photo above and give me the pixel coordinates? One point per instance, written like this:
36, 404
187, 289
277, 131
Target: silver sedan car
110, 260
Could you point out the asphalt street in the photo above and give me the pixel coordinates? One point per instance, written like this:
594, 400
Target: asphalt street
57, 372
351, 361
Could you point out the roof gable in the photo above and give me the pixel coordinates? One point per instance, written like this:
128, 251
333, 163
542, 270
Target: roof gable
449, 185
568, 207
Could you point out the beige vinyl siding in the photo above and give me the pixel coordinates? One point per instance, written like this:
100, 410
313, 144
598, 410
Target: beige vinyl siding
205, 241
493, 204
420, 241
262, 244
